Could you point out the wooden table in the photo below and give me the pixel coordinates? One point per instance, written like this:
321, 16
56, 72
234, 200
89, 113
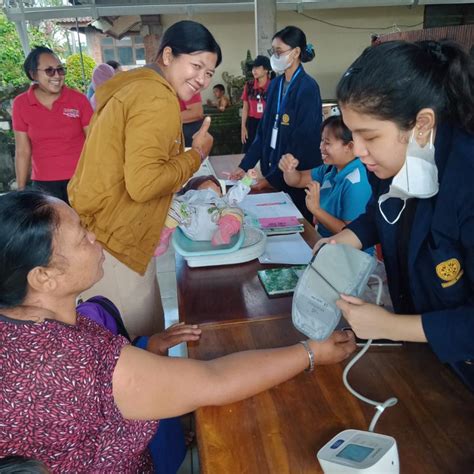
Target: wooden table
230, 292
279, 431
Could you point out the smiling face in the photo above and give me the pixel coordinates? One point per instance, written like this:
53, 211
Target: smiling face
380, 144
49, 85
77, 255
188, 74
334, 151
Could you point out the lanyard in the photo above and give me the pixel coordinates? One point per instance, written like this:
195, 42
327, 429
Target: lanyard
281, 103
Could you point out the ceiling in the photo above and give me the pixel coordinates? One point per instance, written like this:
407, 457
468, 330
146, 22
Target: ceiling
34, 10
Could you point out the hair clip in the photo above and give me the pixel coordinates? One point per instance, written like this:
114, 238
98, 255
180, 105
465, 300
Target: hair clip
351, 70
309, 48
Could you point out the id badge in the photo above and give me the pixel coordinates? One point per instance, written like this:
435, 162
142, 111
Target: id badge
273, 141
260, 108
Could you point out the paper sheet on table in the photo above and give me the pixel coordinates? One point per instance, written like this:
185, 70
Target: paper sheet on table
290, 249
270, 205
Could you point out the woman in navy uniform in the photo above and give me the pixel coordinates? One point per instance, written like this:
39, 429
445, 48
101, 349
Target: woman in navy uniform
410, 107
291, 122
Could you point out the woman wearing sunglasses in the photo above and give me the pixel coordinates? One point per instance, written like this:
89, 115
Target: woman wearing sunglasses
291, 122
50, 122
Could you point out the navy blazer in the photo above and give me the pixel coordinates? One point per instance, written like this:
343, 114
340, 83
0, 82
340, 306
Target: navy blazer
299, 133
440, 251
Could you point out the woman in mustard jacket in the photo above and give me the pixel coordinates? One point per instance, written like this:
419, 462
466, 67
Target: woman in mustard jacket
134, 161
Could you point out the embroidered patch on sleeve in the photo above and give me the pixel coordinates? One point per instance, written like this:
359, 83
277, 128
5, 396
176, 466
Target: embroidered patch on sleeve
449, 271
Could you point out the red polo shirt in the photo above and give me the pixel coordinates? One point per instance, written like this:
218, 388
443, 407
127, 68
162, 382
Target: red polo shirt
255, 98
195, 99
57, 135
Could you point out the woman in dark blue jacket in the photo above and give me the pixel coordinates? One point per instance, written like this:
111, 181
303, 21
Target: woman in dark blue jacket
292, 119
410, 107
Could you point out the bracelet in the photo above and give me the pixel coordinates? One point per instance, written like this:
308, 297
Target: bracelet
310, 352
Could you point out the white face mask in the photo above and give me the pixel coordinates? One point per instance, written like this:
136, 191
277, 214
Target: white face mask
418, 177
281, 64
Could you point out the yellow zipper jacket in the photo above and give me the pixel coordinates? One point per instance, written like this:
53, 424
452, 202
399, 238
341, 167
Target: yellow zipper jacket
132, 163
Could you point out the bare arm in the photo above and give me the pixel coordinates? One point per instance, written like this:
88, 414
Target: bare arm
146, 386
22, 158
193, 113
331, 223
292, 176
243, 126
297, 179
346, 236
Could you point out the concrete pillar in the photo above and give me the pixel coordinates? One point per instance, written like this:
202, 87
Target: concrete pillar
151, 30
265, 25
23, 34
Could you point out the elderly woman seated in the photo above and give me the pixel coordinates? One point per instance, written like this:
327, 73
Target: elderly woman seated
75, 396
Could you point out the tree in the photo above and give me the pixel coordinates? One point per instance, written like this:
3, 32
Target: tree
74, 77
11, 52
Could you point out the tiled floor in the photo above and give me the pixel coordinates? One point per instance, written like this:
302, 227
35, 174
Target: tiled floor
166, 274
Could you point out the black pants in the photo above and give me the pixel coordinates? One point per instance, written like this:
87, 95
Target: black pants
54, 188
252, 125
189, 129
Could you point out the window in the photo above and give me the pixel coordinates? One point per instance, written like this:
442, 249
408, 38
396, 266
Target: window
129, 51
125, 56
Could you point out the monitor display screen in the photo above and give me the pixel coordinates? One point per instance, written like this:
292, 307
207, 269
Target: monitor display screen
355, 452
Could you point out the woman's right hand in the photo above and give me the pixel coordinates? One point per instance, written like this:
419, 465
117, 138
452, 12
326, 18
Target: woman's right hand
202, 139
237, 174
243, 134
339, 346
288, 163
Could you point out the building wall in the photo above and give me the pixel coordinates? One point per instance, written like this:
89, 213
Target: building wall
335, 48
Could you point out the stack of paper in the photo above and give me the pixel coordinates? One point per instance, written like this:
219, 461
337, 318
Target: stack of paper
280, 225
270, 205
288, 249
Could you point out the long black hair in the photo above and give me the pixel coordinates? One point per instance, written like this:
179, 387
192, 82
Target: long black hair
31, 62
187, 37
396, 79
28, 221
294, 37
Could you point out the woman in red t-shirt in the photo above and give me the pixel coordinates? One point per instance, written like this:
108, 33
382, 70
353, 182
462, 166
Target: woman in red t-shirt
50, 122
254, 98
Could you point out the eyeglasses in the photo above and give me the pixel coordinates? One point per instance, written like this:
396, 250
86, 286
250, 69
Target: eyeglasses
51, 71
277, 54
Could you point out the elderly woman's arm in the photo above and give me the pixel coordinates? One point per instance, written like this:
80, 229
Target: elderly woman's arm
146, 386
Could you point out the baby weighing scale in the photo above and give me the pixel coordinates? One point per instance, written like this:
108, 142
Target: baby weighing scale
247, 245
359, 452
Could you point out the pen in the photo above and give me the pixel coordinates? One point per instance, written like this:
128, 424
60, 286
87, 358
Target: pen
270, 203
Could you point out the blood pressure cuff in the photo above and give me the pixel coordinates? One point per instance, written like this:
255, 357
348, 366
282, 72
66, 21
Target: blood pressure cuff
335, 269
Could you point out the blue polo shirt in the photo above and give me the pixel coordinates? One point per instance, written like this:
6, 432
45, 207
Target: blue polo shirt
343, 194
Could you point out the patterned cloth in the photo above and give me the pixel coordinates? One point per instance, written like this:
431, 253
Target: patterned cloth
56, 401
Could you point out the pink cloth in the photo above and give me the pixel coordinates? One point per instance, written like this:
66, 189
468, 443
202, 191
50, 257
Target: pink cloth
227, 226
100, 74
165, 237
56, 401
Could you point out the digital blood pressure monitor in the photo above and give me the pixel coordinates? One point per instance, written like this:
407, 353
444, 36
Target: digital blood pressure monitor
359, 452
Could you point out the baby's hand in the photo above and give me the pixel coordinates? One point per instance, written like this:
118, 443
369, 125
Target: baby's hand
288, 163
252, 173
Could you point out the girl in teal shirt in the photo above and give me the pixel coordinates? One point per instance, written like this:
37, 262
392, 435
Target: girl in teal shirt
338, 190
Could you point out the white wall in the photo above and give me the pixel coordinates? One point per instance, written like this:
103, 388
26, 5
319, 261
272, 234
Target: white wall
335, 48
